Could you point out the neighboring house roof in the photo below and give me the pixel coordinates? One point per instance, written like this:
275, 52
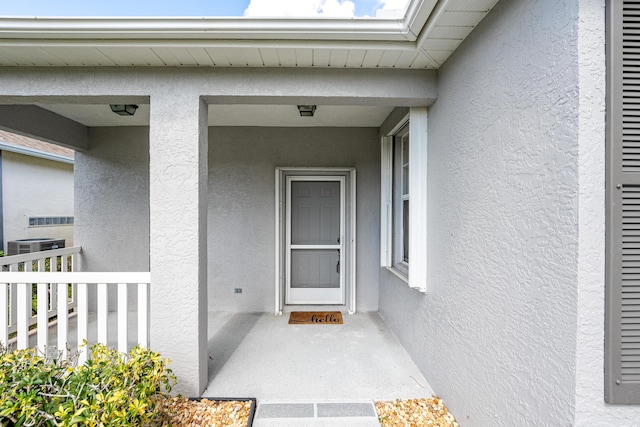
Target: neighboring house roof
33, 147
424, 38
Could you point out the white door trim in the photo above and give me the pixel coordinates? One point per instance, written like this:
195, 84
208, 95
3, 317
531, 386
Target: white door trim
347, 255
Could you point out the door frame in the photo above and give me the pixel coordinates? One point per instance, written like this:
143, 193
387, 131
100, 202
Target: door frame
349, 256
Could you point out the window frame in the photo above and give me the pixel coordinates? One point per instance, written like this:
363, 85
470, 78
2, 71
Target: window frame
415, 274
400, 194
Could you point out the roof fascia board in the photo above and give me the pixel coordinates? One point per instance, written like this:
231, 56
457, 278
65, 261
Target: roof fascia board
284, 44
203, 28
232, 28
431, 22
418, 13
35, 153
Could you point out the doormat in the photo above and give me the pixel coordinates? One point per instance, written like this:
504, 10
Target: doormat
313, 317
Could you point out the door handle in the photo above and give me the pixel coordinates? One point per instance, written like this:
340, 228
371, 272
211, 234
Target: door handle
338, 267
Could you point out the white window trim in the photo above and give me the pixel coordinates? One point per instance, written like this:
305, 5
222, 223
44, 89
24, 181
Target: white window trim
417, 277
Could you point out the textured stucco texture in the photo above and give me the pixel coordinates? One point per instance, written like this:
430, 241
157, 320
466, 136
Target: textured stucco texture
33, 186
242, 206
495, 334
112, 200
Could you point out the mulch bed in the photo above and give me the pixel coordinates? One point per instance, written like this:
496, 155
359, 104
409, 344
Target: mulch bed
183, 412
430, 412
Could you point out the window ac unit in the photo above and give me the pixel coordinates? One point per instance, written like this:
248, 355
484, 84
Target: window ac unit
25, 246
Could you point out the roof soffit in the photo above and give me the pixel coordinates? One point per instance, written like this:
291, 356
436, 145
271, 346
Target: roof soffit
416, 41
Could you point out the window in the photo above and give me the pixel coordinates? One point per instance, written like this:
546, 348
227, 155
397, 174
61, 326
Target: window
404, 199
400, 199
49, 221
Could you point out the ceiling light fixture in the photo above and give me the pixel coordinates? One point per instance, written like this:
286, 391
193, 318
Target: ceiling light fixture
124, 109
306, 110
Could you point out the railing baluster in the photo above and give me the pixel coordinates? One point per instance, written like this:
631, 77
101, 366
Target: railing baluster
4, 314
123, 322
43, 316
63, 319
102, 281
143, 315
103, 312
43, 311
23, 314
13, 297
83, 321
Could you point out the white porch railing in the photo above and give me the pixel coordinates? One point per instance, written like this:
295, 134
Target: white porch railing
57, 260
24, 282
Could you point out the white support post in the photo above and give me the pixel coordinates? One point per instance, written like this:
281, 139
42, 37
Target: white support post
123, 322
23, 314
178, 200
143, 315
63, 319
4, 314
103, 312
83, 321
43, 311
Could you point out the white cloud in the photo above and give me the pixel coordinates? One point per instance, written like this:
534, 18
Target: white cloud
391, 8
301, 8
393, 4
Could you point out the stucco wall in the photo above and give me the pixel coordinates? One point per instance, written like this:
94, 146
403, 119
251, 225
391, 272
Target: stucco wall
242, 164
112, 200
591, 410
114, 230
495, 334
33, 186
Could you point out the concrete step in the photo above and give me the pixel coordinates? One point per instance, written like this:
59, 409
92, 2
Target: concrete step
316, 414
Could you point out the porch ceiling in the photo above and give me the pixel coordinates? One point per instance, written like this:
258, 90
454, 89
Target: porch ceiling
427, 35
235, 115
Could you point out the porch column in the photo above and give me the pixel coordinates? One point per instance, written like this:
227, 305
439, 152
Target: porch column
178, 235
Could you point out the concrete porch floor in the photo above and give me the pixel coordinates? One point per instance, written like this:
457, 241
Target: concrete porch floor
302, 375
309, 375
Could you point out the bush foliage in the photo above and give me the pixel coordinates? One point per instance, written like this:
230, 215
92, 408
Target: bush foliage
110, 389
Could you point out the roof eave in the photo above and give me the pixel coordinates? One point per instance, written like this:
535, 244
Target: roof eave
205, 28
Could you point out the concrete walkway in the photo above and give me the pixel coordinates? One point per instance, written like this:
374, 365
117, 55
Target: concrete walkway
310, 375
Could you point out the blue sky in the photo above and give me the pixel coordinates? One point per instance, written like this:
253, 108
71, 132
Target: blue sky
306, 8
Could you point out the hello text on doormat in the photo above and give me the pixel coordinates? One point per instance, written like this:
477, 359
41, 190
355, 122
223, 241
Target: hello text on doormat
315, 317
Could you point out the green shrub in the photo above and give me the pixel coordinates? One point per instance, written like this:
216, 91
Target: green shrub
110, 389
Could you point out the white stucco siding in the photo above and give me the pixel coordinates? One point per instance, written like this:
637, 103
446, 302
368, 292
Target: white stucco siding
495, 334
242, 163
178, 148
112, 200
28, 85
591, 410
112, 204
33, 186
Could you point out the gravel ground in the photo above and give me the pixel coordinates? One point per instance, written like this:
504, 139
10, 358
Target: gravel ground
430, 412
182, 412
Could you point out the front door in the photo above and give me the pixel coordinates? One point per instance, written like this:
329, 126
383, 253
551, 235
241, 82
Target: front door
315, 223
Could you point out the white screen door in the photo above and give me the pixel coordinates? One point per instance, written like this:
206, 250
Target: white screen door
315, 226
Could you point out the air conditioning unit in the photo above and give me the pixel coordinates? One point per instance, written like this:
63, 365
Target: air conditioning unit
25, 246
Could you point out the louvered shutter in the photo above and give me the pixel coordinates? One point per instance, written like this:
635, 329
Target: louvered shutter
622, 337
